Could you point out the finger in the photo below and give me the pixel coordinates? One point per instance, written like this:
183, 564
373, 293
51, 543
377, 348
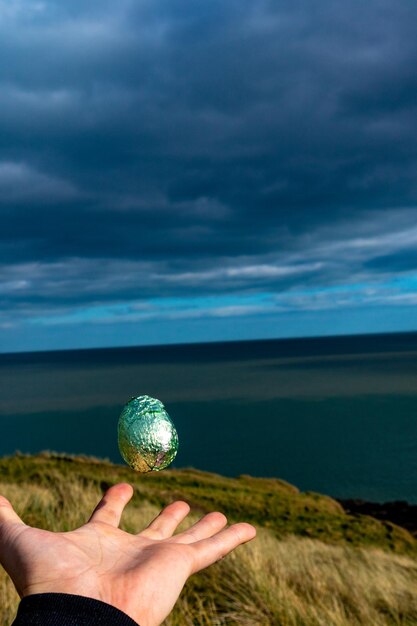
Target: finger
209, 525
7, 513
208, 551
164, 526
110, 508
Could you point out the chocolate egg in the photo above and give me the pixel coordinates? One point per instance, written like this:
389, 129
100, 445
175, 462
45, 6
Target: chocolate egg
148, 440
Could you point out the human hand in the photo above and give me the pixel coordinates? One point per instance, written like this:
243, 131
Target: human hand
141, 575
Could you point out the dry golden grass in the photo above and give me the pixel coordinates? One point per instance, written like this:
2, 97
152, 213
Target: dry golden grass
270, 582
301, 582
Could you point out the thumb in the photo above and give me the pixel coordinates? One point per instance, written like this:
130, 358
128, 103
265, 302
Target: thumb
7, 513
10, 526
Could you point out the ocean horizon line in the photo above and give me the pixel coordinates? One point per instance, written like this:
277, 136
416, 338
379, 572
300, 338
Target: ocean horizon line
219, 342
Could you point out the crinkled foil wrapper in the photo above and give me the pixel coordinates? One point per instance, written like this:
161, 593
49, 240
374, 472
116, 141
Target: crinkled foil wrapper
148, 440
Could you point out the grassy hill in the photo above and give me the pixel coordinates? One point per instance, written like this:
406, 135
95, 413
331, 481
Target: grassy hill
311, 565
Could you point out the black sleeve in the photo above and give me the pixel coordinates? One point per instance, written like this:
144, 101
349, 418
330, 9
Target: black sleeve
63, 609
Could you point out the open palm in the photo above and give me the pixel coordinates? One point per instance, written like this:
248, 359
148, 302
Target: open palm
141, 575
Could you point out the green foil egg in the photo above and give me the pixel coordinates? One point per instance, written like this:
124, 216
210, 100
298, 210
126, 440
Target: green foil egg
148, 440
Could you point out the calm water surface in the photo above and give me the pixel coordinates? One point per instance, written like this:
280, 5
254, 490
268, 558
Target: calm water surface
335, 415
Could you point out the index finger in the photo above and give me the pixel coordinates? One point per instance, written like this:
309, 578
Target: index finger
110, 508
208, 551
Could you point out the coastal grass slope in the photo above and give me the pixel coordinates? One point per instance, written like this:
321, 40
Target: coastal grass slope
311, 564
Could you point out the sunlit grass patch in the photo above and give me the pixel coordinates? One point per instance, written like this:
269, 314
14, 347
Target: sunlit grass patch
283, 578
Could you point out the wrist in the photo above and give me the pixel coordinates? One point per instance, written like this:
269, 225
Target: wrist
87, 590
73, 610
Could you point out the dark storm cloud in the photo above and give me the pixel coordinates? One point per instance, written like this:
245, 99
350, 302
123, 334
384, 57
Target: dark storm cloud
173, 147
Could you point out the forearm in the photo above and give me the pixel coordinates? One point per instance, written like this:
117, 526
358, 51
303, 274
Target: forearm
59, 609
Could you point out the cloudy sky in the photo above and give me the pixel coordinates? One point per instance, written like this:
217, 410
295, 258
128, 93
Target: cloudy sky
177, 170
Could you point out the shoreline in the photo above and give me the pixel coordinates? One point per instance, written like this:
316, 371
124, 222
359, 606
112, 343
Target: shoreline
398, 512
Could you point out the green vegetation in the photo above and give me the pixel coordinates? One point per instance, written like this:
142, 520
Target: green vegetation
311, 565
270, 503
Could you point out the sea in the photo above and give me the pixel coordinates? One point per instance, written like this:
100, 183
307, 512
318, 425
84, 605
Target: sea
335, 415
